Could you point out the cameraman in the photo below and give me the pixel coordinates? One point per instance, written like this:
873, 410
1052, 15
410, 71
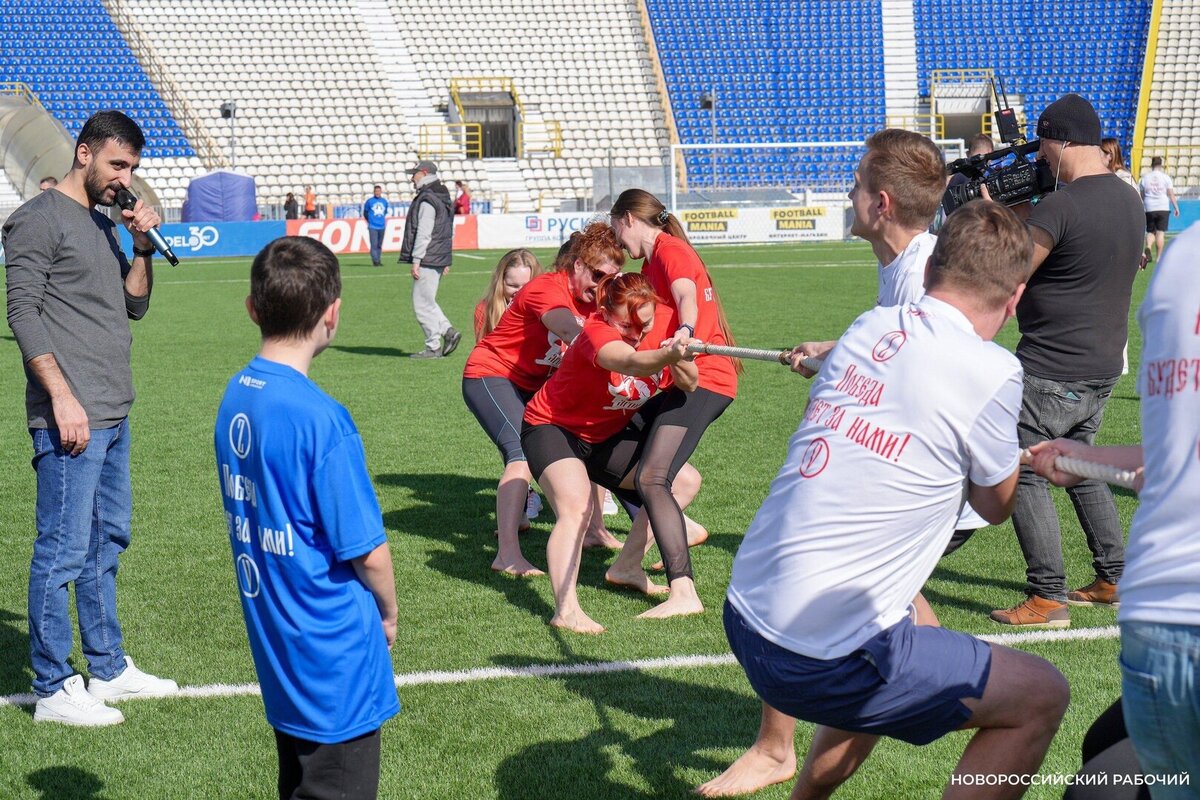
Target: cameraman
1073, 320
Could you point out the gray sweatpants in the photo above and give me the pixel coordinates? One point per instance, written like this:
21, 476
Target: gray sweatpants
429, 314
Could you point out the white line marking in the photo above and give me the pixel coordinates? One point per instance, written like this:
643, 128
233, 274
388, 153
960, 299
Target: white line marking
590, 668
468, 255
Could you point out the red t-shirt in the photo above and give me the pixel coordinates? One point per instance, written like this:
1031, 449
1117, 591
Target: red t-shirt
520, 348
586, 399
479, 315
671, 260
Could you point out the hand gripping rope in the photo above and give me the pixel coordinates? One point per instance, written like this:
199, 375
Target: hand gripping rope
778, 356
1089, 470
1075, 466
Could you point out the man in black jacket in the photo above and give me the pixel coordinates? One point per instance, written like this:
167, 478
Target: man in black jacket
428, 245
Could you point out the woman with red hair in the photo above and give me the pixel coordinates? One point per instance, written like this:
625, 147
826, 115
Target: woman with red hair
691, 310
514, 359
577, 427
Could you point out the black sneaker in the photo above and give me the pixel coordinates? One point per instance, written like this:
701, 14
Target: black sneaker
450, 341
427, 353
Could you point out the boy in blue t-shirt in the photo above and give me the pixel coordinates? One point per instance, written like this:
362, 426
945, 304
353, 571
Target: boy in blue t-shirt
375, 211
310, 554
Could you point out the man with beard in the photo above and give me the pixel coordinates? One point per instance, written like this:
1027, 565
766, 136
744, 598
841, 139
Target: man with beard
71, 292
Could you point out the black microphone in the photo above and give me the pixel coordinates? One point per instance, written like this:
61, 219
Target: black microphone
127, 201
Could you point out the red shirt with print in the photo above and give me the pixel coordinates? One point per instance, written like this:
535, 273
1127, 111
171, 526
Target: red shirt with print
586, 399
673, 259
520, 348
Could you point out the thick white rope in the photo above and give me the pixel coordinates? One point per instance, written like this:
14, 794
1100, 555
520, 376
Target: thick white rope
1089, 470
778, 356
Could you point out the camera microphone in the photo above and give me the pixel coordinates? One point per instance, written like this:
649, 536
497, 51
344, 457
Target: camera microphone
127, 201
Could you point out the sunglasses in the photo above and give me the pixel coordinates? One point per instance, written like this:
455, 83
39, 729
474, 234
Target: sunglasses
598, 274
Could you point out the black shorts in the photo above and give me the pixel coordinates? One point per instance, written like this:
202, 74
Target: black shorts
607, 462
499, 405
313, 769
1156, 221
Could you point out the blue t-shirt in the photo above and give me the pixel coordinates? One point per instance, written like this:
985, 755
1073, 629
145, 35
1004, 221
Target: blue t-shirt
376, 211
299, 506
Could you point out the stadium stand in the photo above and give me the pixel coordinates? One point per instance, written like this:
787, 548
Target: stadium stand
1043, 50
1171, 130
75, 60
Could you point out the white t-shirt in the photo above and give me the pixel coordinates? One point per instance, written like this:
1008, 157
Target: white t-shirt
1154, 186
908, 406
903, 281
1162, 564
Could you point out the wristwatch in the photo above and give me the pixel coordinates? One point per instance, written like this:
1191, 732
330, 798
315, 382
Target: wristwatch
691, 329
147, 253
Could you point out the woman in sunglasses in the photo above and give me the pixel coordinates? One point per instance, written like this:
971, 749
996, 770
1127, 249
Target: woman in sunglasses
580, 427
512, 362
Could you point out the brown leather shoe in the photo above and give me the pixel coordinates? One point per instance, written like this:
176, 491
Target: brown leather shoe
1097, 593
1035, 612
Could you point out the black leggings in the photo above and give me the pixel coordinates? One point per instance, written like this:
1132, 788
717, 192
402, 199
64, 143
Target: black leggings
673, 436
1108, 752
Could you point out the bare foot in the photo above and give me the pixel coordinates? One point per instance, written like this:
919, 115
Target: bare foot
678, 605
601, 539
755, 770
578, 622
638, 581
697, 534
519, 567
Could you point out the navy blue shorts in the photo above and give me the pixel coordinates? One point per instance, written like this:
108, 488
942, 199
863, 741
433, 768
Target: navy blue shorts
907, 682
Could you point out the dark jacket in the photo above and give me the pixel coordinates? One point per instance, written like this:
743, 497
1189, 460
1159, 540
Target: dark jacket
438, 254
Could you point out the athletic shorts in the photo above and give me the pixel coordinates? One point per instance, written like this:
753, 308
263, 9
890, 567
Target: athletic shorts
1156, 221
906, 682
499, 405
607, 462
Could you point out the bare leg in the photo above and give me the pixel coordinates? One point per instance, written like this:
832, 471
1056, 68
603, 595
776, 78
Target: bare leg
627, 569
832, 758
1018, 715
770, 760
567, 488
925, 615
598, 534
1160, 241
510, 511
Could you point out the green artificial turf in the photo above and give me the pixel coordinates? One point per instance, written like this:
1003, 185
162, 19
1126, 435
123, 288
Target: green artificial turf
651, 734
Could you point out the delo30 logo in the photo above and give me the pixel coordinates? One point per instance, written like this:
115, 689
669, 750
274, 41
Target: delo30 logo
199, 237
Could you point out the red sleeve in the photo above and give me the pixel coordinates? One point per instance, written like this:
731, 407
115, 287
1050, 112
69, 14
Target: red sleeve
547, 295
479, 314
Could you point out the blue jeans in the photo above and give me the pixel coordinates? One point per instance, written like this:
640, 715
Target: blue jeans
1160, 684
84, 509
376, 245
1070, 410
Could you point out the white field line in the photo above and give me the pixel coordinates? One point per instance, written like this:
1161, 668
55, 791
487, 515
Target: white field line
593, 668
394, 275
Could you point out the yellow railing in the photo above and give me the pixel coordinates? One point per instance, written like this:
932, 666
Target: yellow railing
22, 91
1147, 85
543, 137
486, 83
660, 85
452, 138
987, 124
931, 125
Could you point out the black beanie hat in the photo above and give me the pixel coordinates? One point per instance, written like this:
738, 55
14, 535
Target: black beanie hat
1070, 118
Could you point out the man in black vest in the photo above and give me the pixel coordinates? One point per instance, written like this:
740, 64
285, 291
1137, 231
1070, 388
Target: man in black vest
428, 243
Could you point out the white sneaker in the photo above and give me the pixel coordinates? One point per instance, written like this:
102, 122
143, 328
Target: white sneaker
131, 683
533, 505
72, 705
610, 505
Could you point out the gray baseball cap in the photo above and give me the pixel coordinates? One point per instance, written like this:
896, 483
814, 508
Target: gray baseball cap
423, 166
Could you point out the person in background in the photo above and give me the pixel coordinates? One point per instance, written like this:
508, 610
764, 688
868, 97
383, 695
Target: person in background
48, 182
462, 203
291, 209
428, 245
310, 203
310, 552
1116, 160
1158, 196
375, 211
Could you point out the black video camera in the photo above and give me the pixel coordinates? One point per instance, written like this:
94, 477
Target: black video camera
1012, 175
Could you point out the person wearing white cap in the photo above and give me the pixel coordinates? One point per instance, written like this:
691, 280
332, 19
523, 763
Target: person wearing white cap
428, 246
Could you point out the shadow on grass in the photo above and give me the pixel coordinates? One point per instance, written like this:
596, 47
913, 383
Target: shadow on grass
15, 672
942, 572
692, 718
469, 532
65, 783
367, 350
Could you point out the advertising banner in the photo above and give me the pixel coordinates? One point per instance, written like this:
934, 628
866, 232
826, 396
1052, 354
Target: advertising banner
351, 235
214, 239
506, 231
781, 224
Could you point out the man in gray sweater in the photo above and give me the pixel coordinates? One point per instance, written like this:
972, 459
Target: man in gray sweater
71, 294
428, 245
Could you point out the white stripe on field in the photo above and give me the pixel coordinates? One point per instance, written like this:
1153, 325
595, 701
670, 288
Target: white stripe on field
591, 668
